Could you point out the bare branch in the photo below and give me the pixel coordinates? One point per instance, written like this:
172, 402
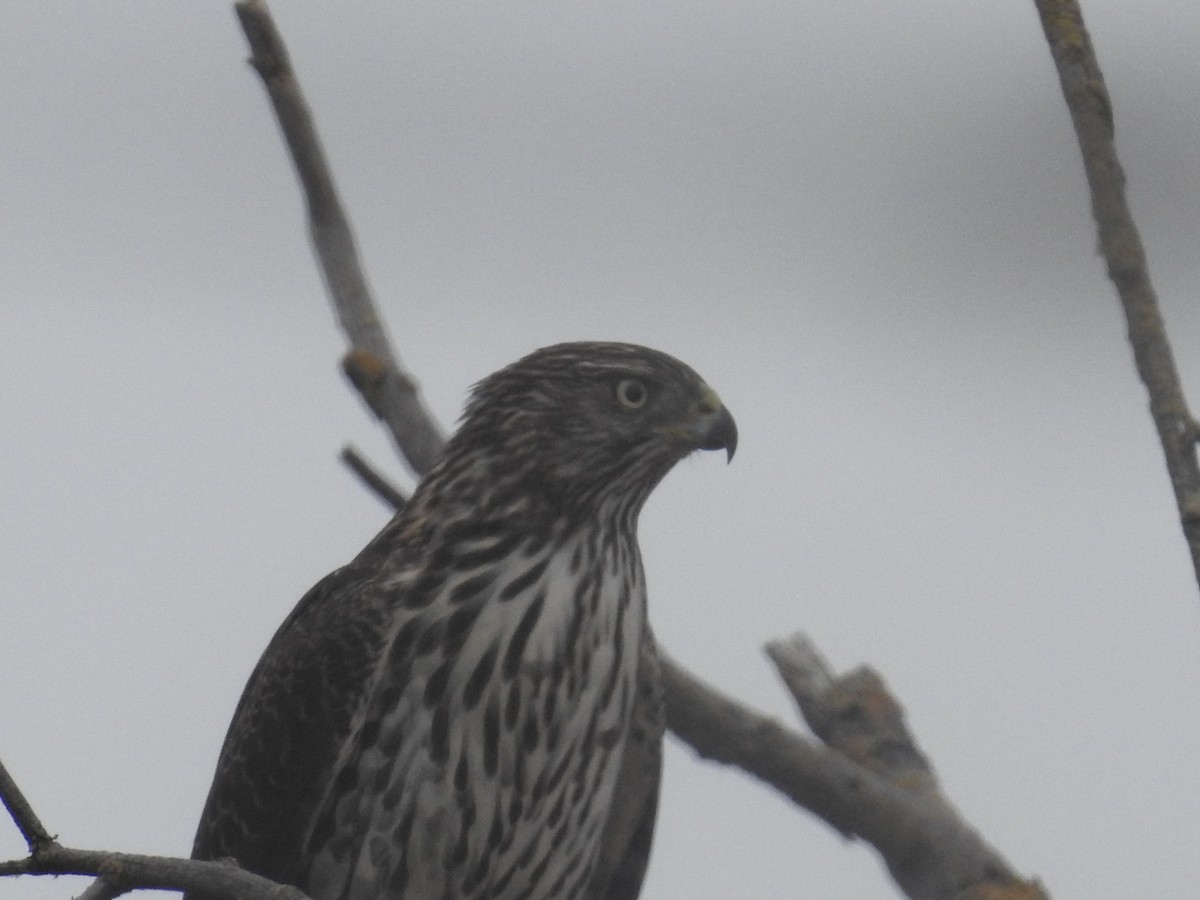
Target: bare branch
854, 714
22, 813
929, 850
375, 482
395, 397
131, 871
1091, 112
119, 873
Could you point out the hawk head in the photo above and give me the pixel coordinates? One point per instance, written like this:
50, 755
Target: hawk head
583, 423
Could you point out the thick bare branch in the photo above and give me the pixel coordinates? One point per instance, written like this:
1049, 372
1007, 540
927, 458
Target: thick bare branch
928, 849
1091, 112
393, 395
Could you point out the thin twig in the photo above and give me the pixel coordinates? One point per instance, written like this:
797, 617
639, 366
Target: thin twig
1091, 112
22, 813
374, 481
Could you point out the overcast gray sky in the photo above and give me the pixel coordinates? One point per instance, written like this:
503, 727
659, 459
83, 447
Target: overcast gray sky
865, 224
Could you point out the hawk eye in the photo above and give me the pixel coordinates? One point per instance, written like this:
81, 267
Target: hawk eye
631, 393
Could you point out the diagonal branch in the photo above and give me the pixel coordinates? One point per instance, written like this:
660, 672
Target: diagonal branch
374, 481
22, 813
1091, 112
927, 847
393, 396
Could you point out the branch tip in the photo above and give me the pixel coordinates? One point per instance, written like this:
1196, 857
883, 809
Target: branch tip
372, 479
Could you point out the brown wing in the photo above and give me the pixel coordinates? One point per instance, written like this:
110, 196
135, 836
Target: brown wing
625, 846
290, 723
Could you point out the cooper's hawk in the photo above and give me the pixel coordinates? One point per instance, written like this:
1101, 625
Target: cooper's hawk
470, 708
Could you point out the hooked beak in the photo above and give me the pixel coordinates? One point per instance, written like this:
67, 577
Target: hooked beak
717, 429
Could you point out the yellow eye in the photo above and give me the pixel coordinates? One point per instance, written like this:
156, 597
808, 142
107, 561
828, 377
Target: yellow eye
631, 393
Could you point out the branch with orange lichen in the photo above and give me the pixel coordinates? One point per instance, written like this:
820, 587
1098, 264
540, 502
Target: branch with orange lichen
392, 396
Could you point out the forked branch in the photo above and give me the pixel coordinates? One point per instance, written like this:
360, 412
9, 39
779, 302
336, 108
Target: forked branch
119, 873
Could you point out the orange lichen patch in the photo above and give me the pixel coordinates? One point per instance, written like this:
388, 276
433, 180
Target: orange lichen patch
364, 369
917, 782
875, 701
